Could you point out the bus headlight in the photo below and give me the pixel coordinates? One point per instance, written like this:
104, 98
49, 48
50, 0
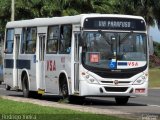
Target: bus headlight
91, 79
140, 80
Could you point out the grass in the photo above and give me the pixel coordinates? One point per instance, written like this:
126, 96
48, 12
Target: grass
154, 77
18, 110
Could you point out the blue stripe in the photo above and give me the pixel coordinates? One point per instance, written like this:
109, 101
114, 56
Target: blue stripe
20, 64
23, 64
8, 63
122, 63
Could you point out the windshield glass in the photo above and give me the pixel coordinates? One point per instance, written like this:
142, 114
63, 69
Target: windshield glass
101, 48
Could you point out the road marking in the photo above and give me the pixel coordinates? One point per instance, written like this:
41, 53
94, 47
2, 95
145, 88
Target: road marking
156, 88
154, 105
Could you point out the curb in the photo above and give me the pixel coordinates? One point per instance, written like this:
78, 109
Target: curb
65, 106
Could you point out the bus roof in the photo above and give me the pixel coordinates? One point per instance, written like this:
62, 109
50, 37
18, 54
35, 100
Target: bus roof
62, 20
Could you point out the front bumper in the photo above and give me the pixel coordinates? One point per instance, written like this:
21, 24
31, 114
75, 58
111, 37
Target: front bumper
87, 89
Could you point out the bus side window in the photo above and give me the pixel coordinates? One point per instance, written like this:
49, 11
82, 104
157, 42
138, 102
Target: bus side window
9, 41
65, 40
23, 39
52, 39
31, 40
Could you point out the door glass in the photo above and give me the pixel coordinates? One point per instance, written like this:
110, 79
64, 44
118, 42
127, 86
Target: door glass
76, 47
17, 45
9, 41
42, 47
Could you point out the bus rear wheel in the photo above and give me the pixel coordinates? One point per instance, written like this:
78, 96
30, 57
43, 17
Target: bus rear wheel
7, 87
25, 87
121, 100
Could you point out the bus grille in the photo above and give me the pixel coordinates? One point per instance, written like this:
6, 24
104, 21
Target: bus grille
116, 74
116, 89
121, 82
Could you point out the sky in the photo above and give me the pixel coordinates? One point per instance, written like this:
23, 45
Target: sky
155, 33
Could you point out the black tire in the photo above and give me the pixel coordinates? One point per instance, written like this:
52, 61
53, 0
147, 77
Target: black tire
25, 87
76, 99
0, 82
34, 94
8, 87
64, 88
121, 100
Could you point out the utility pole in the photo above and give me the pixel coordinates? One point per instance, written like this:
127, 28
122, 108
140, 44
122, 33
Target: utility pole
12, 10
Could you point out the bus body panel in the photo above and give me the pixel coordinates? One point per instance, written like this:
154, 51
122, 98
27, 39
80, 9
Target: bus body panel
44, 69
8, 72
55, 65
29, 67
40, 57
100, 88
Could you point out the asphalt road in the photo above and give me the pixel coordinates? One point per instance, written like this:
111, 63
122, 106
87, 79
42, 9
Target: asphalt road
141, 107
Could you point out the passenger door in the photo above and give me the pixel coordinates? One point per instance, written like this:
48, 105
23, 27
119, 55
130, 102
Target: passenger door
40, 62
8, 57
76, 61
16, 56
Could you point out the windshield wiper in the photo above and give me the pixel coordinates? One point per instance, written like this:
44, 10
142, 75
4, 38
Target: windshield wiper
126, 36
104, 36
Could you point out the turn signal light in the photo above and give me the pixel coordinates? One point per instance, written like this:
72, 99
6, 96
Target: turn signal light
140, 90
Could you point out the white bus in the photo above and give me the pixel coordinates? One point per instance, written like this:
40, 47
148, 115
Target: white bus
82, 55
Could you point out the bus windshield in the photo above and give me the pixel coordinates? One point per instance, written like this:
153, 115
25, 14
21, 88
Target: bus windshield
101, 47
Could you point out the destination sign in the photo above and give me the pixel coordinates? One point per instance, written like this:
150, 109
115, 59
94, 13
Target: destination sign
114, 24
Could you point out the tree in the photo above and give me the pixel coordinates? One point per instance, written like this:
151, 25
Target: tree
4, 15
28, 9
137, 7
156, 11
103, 6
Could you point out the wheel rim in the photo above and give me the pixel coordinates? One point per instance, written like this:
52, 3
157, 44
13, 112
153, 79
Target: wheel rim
25, 87
64, 90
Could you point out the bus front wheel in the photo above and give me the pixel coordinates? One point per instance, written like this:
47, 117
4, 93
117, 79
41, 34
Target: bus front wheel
25, 87
64, 88
121, 100
76, 99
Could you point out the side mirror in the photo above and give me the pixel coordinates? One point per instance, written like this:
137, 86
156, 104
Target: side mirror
150, 45
5, 51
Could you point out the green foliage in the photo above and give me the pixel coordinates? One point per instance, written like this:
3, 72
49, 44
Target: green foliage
28, 9
154, 77
137, 7
103, 6
8, 107
156, 46
155, 58
156, 11
4, 14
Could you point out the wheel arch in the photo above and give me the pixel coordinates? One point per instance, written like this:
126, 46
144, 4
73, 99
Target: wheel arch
25, 72
64, 74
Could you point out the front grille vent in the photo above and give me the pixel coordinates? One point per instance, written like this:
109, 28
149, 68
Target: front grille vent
116, 89
123, 82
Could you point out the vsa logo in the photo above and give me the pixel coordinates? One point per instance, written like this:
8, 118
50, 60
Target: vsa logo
133, 64
51, 65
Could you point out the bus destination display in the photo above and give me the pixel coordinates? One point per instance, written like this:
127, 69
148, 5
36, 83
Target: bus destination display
114, 24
